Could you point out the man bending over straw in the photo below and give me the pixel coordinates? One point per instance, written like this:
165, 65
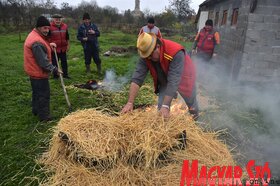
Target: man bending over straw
172, 70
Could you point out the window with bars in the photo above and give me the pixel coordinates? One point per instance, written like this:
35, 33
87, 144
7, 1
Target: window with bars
224, 20
234, 17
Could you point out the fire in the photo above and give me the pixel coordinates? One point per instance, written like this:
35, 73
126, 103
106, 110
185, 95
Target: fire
178, 108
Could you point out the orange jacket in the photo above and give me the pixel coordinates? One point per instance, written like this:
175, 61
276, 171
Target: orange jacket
167, 51
31, 67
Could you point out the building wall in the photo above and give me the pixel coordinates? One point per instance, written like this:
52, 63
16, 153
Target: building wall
261, 53
249, 50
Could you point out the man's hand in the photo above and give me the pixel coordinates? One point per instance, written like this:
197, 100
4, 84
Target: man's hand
194, 51
85, 39
53, 45
165, 112
127, 108
59, 72
214, 55
91, 31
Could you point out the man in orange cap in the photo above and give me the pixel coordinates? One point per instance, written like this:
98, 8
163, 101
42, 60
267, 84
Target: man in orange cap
172, 70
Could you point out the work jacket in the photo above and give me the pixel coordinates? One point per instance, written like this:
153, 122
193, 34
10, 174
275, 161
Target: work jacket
31, 67
168, 50
58, 36
83, 32
206, 41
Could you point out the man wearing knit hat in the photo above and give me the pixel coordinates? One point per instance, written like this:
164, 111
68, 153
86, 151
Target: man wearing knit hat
172, 70
38, 66
60, 36
88, 34
206, 42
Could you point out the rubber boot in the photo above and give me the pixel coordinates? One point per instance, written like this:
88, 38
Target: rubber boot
99, 69
88, 68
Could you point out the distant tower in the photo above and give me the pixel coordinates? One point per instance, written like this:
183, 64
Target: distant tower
137, 12
137, 5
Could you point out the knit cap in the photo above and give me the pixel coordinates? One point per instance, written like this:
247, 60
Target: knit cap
42, 21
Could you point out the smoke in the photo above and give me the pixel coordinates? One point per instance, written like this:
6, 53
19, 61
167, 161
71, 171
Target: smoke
250, 113
112, 82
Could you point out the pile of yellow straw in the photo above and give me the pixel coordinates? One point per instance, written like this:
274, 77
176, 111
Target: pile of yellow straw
91, 148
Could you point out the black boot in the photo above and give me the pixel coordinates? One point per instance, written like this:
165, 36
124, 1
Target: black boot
99, 69
88, 68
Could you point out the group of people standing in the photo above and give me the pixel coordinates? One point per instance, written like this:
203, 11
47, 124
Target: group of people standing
170, 66
44, 43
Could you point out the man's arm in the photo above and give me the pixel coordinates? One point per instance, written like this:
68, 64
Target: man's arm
97, 32
80, 34
141, 31
159, 34
67, 40
137, 80
40, 54
216, 42
195, 41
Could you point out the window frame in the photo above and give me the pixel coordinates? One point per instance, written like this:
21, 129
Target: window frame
224, 19
234, 17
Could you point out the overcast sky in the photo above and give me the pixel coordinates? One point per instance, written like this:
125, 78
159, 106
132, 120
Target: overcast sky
153, 5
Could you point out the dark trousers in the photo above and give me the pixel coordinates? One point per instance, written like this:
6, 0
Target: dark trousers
62, 57
91, 51
203, 56
40, 98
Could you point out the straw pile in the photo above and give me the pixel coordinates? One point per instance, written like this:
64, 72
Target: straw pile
92, 148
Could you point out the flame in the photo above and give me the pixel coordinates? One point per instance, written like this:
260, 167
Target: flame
178, 108
150, 108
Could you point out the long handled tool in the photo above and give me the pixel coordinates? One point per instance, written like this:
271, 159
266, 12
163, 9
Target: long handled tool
62, 81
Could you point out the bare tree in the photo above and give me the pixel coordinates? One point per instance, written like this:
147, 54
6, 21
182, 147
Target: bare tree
181, 9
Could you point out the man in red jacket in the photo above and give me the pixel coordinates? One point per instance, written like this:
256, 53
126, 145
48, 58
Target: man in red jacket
60, 36
172, 70
38, 66
206, 42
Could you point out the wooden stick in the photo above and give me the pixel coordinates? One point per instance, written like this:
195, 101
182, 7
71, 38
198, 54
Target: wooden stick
62, 81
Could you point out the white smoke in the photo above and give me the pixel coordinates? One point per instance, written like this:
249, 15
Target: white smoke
112, 82
252, 116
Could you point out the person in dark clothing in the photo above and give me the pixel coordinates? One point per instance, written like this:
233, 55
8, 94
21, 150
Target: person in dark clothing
37, 65
59, 35
172, 70
88, 34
